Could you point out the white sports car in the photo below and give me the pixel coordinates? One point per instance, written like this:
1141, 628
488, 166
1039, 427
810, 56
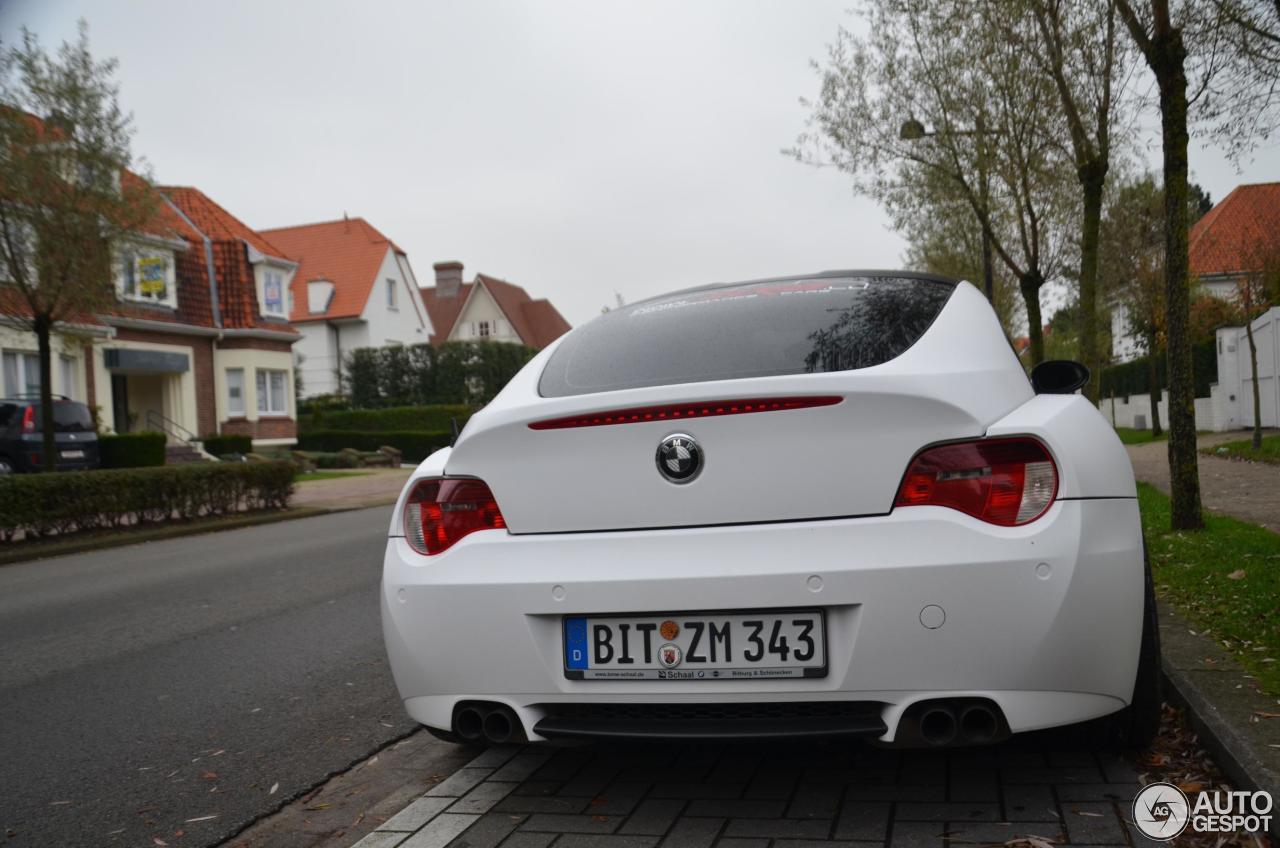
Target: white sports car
828, 505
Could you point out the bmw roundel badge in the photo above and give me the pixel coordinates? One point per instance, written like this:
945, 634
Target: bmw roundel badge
679, 458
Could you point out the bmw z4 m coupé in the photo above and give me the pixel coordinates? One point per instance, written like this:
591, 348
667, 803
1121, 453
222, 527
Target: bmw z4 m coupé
828, 505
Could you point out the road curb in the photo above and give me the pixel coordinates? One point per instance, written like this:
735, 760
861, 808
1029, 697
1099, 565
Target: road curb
1214, 691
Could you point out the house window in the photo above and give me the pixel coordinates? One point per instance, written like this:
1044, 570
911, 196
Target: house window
21, 374
273, 397
235, 392
484, 329
147, 276
273, 293
391, 294
67, 364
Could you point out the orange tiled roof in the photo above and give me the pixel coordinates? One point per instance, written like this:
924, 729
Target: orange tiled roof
347, 252
537, 322
1236, 234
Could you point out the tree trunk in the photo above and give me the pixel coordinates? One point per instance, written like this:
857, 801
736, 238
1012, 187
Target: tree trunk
1153, 387
1184, 475
1257, 400
1093, 179
1029, 284
48, 445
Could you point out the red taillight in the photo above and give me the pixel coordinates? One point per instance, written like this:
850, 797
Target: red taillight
29, 420
683, 411
441, 510
1001, 481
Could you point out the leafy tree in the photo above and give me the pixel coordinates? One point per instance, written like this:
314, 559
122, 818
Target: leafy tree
935, 92
1257, 290
68, 193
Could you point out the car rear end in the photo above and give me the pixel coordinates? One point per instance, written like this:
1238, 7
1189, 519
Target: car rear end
886, 533
75, 437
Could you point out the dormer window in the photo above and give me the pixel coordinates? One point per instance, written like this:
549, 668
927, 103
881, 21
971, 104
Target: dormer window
146, 275
273, 293
272, 277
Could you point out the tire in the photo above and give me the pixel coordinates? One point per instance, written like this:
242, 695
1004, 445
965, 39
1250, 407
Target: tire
1136, 726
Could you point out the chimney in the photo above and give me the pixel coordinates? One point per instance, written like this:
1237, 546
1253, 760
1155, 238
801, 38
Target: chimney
448, 279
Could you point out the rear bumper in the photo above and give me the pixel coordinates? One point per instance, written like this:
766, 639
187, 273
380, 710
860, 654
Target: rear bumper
1043, 620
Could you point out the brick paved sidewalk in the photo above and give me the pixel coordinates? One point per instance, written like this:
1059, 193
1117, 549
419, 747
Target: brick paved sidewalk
774, 796
365, 487
1249, 491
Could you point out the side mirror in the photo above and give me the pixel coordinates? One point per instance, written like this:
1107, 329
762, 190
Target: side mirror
1058, 377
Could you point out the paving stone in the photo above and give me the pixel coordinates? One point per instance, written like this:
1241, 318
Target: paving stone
573, 840
482, 798
562, 766
820, 843
742, 843
520, 767
1122, 792
557, 823
493, 757
460, 782
1118, 771
693, 833
988, 832
773, 783
734, 768
538, 787
653, 816
916, 835
863, 821
440, 831
381, 839
1092, 823
1080, 759
820, 801
1033, 802
1050, 775
540, 804
592, 779
948, 811
974, 785
416, 814
779, 828
697, 790
736, 808
488, 832
618, 799
528, 840
889, 792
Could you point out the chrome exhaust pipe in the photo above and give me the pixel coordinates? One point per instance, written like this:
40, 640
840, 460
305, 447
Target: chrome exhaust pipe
938, 726
978, 724
499, 725
469, 724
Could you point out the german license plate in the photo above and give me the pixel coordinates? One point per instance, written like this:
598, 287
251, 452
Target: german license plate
752, 645
72, 454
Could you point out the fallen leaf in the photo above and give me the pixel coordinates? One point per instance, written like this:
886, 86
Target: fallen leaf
1191, 787
208, 775
1089, 814
600, 818
318, 807
1261, 714
202, 818
158, 841
274, 787
1238, 574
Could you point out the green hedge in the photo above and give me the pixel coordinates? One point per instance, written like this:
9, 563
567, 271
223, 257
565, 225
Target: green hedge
413, 375
132, 450
222, 445
414, 445
437, 417
46, 504
1131, 378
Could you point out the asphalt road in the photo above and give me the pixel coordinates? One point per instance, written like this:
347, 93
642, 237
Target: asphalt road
189, 685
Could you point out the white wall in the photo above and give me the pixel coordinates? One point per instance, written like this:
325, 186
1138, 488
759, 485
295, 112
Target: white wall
1134, 412
1266, 337
405, 323
481, 306
16, 340
320, 358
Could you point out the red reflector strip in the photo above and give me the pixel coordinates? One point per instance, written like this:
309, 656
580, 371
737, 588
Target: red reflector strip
684, 411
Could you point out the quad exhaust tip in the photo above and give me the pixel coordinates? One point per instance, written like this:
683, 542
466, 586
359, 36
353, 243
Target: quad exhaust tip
938, 726
963, 721
476, 721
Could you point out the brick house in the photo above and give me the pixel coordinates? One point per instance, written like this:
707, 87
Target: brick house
488, 309
197, 342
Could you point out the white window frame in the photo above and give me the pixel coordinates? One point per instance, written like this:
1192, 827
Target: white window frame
391, 295
272, 402
282, 310
16, 382
128, 265
69, 374
482, 329
232, 411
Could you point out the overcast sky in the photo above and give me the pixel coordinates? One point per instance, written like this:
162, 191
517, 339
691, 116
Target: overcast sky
576, 148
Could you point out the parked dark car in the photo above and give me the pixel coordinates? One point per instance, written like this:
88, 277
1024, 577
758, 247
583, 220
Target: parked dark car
21, 440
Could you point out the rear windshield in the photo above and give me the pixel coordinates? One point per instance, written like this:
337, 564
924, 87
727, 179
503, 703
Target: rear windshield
68, 417
751, 330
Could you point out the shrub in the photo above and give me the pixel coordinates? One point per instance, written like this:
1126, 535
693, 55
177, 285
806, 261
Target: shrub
223, 445
1130, 378
454, 372
437, 417
132, 450
414, 445
45, 504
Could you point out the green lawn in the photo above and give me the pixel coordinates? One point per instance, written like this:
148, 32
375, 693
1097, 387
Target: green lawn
1243, 449
1138, 437
1224, 579
329, 475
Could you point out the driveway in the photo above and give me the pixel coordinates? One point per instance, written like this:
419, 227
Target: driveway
192, 685
1249, 491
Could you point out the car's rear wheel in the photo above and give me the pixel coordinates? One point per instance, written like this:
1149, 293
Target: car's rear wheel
1136, 725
